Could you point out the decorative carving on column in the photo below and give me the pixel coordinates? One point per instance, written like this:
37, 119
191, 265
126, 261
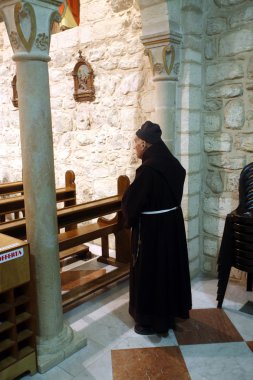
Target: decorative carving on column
150, 57
228, 3
14, 91
14, 40
162, 50
168, 53
42, 41
24, 15
168, 58
163, 53
29, 26
55, 17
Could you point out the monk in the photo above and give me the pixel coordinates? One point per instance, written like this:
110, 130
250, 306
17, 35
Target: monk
160, 289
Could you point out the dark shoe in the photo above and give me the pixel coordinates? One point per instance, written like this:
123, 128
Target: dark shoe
144, 330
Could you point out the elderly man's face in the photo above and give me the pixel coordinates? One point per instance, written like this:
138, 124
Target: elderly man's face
139, 146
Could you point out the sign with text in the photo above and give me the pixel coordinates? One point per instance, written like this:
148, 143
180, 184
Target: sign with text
14, 263
12, 255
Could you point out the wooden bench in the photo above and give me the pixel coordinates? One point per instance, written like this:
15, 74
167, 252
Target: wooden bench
84, 233
12, 198
12, 205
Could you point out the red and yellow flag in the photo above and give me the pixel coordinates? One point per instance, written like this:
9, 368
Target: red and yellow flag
70, 12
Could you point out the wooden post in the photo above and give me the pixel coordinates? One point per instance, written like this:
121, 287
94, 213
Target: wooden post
70, 184
122, 237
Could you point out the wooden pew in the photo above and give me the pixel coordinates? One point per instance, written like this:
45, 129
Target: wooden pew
7, 190
84, 233
12, 198
12, 204
10, 188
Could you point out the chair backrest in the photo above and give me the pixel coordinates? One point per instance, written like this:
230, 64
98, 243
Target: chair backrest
246, 189
243, 222
243, 244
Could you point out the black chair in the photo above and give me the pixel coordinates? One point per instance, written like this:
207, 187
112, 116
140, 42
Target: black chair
236, 248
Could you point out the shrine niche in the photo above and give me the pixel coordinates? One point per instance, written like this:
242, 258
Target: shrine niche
83, 80
14, 91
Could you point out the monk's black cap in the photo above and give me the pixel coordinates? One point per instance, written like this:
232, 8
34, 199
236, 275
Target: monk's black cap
149, 132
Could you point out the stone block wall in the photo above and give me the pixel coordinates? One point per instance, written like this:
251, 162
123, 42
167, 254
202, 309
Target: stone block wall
214, 120
189, 135
92, 138
95, 138
227, 118
10, 150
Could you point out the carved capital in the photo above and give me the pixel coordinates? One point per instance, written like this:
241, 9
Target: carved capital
164, 62
228, 3
29, 25
163, 53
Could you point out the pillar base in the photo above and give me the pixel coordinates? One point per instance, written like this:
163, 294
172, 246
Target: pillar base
53, 351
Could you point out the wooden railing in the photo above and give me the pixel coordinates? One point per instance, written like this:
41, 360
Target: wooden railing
12, 202
82, 233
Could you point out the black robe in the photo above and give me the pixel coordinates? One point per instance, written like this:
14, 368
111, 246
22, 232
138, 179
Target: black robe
160, 287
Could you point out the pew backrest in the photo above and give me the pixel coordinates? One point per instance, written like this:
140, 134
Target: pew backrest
72, 219
12, 201
92, 220
66, 216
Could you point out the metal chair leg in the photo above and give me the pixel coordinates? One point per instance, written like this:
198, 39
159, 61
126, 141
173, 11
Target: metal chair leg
249, 282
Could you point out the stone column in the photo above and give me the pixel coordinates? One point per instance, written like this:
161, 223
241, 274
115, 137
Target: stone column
163, 52
29, 26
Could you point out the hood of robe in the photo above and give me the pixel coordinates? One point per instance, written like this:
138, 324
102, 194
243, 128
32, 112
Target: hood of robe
159, 157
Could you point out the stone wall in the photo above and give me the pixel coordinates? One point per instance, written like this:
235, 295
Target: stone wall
228, 116
10, 151
214, 120
189, 128
95, 138
92, 138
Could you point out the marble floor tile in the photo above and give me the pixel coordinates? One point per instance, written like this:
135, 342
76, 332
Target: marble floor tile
101, 369
79, 361
158, 363
217, 361
105, 321
250, 344
104, 302
247, 308
52, 374
243, 323
204, 291
105, 334
206, 326
236, 295
133, 340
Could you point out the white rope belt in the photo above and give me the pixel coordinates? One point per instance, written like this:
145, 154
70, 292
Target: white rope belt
159, 211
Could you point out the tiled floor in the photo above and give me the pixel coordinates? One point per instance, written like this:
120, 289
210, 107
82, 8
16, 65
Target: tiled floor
213, 344
149, 363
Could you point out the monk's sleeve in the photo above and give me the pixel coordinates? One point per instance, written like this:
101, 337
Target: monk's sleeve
135, 199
